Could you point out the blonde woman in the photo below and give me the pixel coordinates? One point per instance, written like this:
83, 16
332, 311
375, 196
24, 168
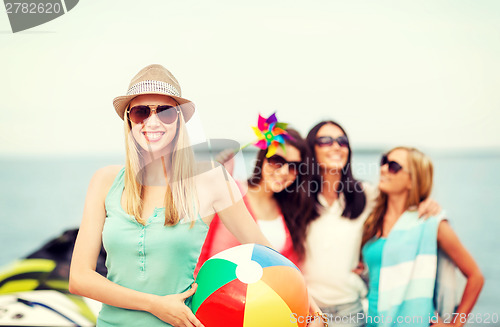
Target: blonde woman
401, 250
152, 215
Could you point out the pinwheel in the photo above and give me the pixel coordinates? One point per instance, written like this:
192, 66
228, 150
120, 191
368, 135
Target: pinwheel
270, 134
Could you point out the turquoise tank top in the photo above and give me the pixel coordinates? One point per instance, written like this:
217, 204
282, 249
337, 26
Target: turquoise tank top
154, 258
372, 254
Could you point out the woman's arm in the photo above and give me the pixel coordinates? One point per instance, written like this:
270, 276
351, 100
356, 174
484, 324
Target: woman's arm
85, 281
451, 245
227, 202
240, 223
226, 158
318, 318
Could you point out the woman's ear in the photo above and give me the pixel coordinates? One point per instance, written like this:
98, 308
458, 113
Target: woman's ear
125, 116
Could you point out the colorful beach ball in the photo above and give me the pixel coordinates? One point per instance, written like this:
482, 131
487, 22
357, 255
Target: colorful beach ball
250, 285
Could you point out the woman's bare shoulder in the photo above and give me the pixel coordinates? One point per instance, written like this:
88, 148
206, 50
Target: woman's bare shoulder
207, 172
211, 178
108, 172
103, 177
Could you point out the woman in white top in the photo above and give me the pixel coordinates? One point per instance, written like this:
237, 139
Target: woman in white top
333, 238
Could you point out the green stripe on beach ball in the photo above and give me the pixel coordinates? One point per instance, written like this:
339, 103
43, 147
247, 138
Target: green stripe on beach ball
214, 274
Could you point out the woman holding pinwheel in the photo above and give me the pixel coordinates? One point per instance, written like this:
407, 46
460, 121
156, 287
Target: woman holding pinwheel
275, 193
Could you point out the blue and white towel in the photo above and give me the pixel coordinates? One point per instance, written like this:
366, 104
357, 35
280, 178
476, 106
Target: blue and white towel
407, 283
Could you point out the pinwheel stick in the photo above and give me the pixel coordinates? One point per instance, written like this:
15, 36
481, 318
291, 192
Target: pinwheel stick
244, 146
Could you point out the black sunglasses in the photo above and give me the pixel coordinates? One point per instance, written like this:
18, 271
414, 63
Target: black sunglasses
167, 114
277, 161
328, 141
393, 166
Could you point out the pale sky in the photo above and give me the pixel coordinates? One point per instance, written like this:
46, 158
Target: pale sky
423, 73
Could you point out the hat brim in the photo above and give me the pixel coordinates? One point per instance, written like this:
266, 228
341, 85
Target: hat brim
120, 103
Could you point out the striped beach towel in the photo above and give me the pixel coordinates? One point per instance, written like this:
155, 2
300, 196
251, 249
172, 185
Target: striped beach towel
408, 274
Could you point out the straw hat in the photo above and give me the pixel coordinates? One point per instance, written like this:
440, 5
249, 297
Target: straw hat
154, 79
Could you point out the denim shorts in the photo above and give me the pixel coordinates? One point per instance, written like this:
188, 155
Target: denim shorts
346, 314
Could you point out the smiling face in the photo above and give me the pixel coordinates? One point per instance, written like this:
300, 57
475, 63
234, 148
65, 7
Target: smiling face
395, 183
276, 177
331, 157
153, 134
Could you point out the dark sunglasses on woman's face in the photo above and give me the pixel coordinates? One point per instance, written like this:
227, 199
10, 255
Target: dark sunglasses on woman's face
393, 166
138, 114
277, 161
328, 141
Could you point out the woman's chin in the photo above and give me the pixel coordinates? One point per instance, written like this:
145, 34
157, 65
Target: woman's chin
277, 187
334, 167
388, 189
156, 148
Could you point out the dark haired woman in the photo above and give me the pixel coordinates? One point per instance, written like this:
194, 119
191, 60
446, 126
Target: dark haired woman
333, 239
276, 198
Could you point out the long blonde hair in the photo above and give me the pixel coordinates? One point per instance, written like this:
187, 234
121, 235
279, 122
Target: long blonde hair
181, 199
421, 171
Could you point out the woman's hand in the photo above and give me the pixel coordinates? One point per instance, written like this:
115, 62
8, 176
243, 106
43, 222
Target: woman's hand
428, 208
172, 309
314, 310
318, 322
360, 268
